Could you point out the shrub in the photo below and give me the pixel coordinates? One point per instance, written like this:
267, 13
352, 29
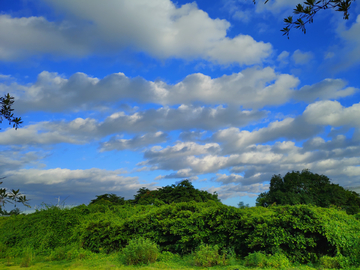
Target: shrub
59, 254
3, 250
167, 256
27, 257
140, 250
329, 262
277, 260
256, 259
207, 256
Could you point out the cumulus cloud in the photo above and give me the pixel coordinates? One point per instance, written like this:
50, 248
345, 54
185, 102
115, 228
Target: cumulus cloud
58, 181
24, 37
158, 27
234, 139
155, 121
326, 89
349, 54
134, 143
332, 113
251, 88
301, 58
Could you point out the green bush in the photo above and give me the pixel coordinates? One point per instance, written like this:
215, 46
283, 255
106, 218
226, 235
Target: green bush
260, 259
3, 250
207, 256
329, 262
27, 258
278, 260
256, 259
140, 251
167, 256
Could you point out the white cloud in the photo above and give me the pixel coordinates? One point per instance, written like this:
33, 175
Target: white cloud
302, 58
156, 27
63, 182
326, 89
349, 54
134, 143
24, 37
251, 88
332, 113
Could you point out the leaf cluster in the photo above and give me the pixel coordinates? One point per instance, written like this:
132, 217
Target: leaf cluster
13, 197
6, 111
309, 9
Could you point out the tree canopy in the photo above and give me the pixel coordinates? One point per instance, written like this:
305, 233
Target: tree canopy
181, 192
308, 188
308, 10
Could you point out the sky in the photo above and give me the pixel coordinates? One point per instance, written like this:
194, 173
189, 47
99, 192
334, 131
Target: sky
116, 95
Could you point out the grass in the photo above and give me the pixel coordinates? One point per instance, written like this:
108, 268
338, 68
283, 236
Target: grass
112, 262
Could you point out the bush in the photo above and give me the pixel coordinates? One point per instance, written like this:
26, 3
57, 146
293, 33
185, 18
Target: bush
140, 251
338, 261
277, 260
256, 259
167, 256
207, 256
27, 257
260, 259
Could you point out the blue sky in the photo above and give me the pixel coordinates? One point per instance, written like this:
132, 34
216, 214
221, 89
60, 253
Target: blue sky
117, 95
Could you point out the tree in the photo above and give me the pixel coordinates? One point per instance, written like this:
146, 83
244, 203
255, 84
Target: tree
14, 196
6, 111
308, 188
181, 192
108, 199
242, 205
308, 10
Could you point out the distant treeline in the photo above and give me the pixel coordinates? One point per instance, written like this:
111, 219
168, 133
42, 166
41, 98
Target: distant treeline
294, 188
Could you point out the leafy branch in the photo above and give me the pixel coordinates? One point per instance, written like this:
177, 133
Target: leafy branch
308, 10
6, 111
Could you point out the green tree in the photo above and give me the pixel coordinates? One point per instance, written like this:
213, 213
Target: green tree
308, 10
108, 199
181, 192
242, 205
308, 188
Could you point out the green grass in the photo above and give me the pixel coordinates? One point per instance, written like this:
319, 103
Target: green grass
112, 262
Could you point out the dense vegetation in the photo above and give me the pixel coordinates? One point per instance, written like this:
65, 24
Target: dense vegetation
301, 233
179, 220
308, 188
181, 192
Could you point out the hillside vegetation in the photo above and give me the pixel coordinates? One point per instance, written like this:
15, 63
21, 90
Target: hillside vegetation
179, 221
303, 233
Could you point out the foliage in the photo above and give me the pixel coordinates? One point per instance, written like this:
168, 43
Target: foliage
27, 257
207, 256
7, 112
301, 233
308, 188
182, 192
260, 259
242, 205
256, 259
308, 10
140, 251
109, 199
